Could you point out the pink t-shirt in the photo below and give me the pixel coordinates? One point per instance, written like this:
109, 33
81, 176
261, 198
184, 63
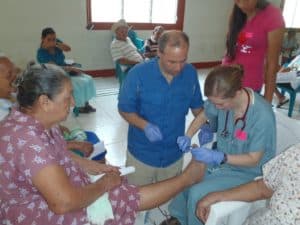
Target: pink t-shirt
252, 45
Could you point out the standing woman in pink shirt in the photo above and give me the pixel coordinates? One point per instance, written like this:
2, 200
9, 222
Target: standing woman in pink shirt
254, 40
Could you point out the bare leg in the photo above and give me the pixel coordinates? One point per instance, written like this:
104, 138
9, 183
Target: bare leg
153, 195
279, 95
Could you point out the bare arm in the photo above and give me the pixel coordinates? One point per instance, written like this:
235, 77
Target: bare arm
196, 123
252, 191
63, 46
247, 159
134, 119
126, 61
93, 167
273, 51
62, 197
84, 146
196, 112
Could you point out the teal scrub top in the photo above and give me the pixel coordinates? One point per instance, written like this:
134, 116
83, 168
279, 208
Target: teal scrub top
260, 131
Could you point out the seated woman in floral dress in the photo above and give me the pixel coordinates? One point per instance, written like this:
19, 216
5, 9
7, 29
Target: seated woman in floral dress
41, 184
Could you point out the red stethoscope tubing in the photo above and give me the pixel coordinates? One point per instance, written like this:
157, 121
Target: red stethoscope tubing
243, 118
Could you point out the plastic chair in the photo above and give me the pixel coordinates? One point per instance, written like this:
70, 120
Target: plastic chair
292, 92
232, 212
137, 41
236, 212
120, 74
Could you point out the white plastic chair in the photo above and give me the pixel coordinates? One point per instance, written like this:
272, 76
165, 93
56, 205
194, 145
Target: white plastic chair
232, 212
236, 212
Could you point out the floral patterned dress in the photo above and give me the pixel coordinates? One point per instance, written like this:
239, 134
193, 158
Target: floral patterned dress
26, 147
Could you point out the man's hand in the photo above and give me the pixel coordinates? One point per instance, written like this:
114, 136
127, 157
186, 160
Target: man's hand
205, 135
184, 143
153, 133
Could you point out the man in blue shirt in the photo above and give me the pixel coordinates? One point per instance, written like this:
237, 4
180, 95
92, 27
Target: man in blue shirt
155, 99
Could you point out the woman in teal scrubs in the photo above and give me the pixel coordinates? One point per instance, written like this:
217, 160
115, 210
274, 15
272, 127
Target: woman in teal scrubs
246, 139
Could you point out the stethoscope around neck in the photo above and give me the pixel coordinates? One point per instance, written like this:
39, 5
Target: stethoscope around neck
225, 132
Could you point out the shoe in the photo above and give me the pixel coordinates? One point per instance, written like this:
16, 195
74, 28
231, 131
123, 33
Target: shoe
90, 108
282, 103
171, 221
83, 110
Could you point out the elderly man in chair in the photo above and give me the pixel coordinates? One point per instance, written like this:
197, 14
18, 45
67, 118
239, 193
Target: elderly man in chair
123, 51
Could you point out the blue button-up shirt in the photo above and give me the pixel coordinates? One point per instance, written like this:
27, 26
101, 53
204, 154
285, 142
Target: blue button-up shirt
147, 93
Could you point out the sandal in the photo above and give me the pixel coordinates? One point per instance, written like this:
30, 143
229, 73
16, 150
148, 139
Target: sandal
282, 103
83, 110
90, 108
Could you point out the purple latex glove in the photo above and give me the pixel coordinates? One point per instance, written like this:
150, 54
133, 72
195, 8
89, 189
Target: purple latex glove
205, 135
153, 133
184, 143
208, 156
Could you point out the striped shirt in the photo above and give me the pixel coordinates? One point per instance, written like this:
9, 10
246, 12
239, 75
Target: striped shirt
124, 49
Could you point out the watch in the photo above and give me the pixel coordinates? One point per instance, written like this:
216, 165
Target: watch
224, 159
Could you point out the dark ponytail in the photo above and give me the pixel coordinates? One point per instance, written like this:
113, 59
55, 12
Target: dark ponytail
236, 22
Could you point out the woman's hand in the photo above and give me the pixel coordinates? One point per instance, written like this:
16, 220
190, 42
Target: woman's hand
62, 46
94, 167
203, 205
111, 180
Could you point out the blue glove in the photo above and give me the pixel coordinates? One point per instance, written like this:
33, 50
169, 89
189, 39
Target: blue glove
205, 135
184, 143
153, 133
208, 156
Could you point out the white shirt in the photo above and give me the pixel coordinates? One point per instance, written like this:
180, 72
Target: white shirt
124, 49
5, 106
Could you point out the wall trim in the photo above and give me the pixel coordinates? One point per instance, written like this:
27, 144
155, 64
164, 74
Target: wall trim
111, 72
205, 65
101, 73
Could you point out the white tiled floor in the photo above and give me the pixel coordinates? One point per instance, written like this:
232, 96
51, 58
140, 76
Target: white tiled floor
111, 128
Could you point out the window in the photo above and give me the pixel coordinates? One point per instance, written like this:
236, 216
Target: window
291, 13
142, 14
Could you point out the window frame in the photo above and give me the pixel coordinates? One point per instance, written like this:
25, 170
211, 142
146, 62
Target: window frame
282, 2
137, 26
